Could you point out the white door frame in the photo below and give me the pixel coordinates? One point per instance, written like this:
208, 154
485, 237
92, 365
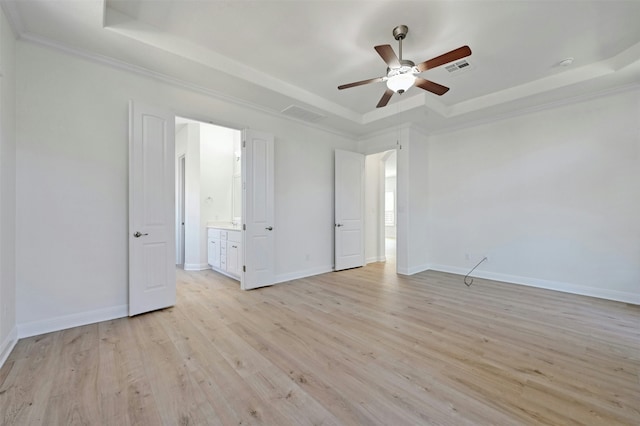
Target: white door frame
401, 199
181, 210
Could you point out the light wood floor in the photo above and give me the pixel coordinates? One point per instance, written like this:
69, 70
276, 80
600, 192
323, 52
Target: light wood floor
362, 346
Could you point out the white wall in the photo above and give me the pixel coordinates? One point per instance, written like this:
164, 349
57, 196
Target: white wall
551, 197
304, 202
216, 172
72, 184
8, 330
412, 187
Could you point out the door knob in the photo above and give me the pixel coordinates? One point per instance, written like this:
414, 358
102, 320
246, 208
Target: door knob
138, 234
339, 225
269, 228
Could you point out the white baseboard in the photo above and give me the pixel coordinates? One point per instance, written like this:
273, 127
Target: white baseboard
601, 293
375, 259
413, 269
225, 273
196, 266
35, 328
8, 344
303, 274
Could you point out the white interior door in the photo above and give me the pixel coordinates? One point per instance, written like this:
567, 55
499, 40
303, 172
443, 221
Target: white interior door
152, 274
258, 210
349, 210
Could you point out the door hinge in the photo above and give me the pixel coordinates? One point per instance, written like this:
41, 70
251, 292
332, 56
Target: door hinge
244, 144
244, 226
244, 268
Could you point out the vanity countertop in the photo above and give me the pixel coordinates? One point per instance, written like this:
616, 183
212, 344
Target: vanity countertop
224, 225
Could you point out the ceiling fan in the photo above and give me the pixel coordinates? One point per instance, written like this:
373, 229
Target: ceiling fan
402, 74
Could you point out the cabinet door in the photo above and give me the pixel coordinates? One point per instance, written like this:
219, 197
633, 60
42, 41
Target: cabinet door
223, 255
233, 258
213, 253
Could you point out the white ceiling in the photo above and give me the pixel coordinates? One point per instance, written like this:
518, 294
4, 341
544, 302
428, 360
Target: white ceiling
273, 54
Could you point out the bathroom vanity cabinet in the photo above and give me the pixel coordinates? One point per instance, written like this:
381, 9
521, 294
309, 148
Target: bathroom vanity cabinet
225, 250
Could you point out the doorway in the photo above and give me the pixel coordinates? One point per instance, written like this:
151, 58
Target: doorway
381, 207
228, 201
208, 171
390, 166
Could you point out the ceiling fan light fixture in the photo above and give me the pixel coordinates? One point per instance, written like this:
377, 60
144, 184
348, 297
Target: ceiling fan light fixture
399, 83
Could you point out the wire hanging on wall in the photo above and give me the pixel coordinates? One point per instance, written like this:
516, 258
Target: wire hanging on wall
466, 277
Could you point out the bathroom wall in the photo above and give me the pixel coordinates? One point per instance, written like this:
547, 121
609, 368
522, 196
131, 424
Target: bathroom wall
216, 173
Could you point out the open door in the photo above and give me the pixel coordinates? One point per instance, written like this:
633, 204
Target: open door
152, 274
349, 210
258, 209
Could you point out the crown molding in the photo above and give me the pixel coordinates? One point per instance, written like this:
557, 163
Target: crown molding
176, 82
10, 9
150, 35
571, 100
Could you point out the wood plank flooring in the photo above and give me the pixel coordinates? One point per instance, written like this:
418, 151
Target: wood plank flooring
357, 347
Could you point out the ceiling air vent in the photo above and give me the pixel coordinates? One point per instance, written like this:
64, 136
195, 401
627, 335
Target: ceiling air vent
302, 113
457, 66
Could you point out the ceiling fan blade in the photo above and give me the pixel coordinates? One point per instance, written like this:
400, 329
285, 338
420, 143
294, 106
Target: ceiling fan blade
360, 83
430, 86
384, 100
454, 55
388, 55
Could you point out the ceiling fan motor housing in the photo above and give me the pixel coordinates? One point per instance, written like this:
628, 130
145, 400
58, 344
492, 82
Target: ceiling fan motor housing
400, 32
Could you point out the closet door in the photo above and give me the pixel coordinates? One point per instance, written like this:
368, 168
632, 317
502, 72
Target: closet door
349, 210
152, 270
258, 210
